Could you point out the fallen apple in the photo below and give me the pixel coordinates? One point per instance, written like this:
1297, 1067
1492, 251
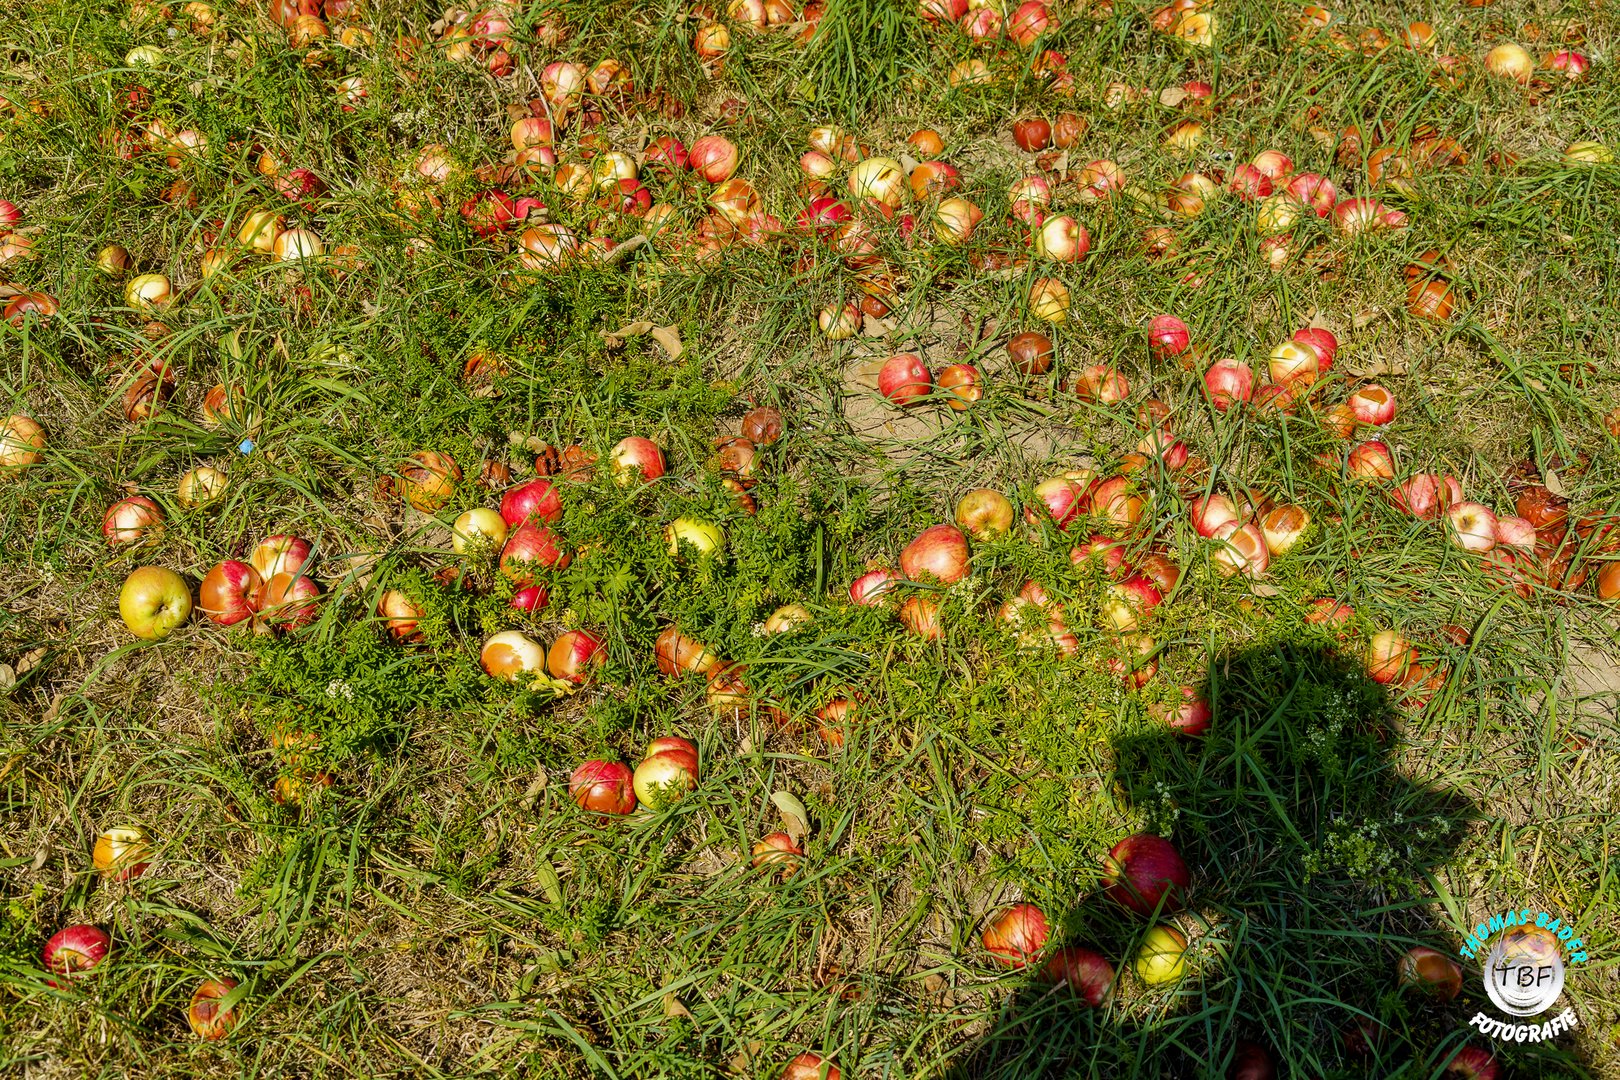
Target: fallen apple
1162, 956
1017, 935
153, 601
208, 1020
1144, 869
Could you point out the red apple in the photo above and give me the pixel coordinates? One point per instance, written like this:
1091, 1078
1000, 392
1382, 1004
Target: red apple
1127, 603
636, 455
676, 654
1229, 382
872, 588
939, 553
531, 598
1322, 342
1102, 383
530, 548
287, 601
1422, 495
1211, 513
1475, 1063
131, 520
1143, 870
1191, 716
1370, 461
604, 787
535, 502
668, 771
74, 951
1168, 336
573, 654
904, 379
1429, 971
809, 1066
228, 592
1372, 404
281, 554
1017, 935
1062, 239
713, 157
920, 615
1062, 498
1084, 971
1515, 532
1250, 1061
1315, 191
400, 614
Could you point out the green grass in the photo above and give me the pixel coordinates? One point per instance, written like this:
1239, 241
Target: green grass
444, 909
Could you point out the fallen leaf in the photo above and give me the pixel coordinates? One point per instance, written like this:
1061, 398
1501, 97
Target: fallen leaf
535, 788
674, 1008
743, 1060
8, 677
1374, 368
670, 339
1171, 96
1362, 318
1553, 483
795, 818
635, 329
907, 162
1536, 384
1261, 588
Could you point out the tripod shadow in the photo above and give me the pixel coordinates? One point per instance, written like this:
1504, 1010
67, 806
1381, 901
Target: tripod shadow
1309, 853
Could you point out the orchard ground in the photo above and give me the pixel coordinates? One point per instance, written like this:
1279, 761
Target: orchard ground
443, 907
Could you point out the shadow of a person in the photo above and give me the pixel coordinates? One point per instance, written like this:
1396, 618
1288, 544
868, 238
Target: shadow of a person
1310, 852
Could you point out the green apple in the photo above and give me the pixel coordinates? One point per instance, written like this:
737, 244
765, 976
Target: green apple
701, 536
153, 601
481, 529
1162, 956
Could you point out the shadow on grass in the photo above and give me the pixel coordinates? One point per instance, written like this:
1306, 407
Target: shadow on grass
1309, 853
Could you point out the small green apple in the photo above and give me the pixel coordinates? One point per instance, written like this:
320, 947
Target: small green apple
1161, 958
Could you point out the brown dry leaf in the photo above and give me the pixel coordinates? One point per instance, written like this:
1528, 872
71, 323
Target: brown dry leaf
1171, 96
516, 112
674, 1008
29, 660
1372, 369
743, 1060
536, 787
1361, 318
8, 677
618, 337
1536, 384
670, 339
746, 746
1266, 589
907, 162
1553, 483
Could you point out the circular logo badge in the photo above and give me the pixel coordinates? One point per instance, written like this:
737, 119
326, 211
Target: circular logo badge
1524, 973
